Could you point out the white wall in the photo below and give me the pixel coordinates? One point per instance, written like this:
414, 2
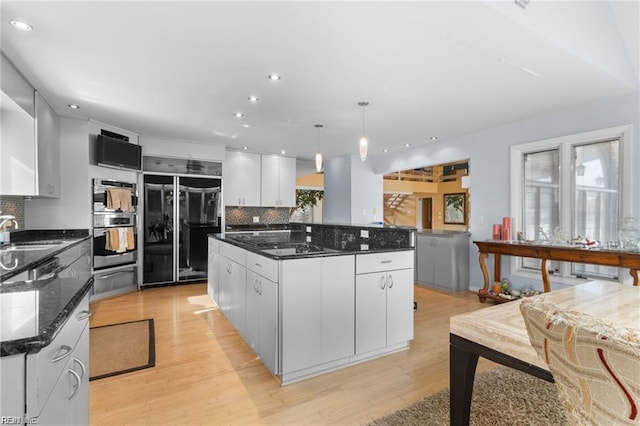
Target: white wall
488, 151
336, 206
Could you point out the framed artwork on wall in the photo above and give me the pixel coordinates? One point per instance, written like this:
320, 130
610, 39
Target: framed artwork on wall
455, 208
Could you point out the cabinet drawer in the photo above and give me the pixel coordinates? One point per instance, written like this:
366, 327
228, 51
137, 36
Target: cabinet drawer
264, 266
234, 253
377, 262
44, 367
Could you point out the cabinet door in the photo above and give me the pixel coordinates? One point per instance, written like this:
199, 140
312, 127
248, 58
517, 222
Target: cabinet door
48, 147
399, 306
225, 286
443, 258
425, 252
371, 311
338, 307
287, 182
238, 297
253, 311
270, 183
241, 184
300, 293
213, 276
268, 324
80, 397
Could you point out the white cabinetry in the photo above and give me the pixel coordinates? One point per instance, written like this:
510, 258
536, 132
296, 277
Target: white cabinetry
384, 300
233, 277
262, 318
213, 275
30, 139
317, 312
48, 147
57, 377
12, 385
278, 181
442, 261
241, 179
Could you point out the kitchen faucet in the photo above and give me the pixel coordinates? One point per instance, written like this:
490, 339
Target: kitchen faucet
7, 218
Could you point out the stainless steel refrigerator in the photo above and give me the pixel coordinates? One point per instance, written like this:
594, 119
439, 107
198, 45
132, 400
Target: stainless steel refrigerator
179, 212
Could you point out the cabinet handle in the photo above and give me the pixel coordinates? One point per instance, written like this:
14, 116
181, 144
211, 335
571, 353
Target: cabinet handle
68, 350
390, 282
83, 315
255, 285
260, 287
386, 261
382, 283
228, 268
77, 386
82, 367
258, 265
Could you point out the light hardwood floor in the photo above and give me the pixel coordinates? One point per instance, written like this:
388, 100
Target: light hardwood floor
206, 375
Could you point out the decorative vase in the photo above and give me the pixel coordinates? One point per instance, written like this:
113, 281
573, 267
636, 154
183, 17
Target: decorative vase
629, 233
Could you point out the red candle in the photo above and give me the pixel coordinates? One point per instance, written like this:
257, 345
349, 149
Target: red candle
506, 234
506, 222
497, 232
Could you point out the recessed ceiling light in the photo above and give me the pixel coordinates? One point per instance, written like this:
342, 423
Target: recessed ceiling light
283, 152
274, 77
407, 145
253, 99
22, 26
385, 150
244, 147
73, 106
433, 138
238, 115
246, 125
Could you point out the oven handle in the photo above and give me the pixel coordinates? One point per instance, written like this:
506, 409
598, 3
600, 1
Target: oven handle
99, 232
113, 274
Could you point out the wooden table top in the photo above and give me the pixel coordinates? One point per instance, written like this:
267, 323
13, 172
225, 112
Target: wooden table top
502, 328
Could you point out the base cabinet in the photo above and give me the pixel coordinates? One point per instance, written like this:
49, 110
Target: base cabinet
262, 318
213, 275
317, 308
442, 261
384, 300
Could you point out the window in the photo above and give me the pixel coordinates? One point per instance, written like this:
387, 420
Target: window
570, 188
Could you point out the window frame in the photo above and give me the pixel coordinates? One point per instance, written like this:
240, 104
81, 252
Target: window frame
565, 145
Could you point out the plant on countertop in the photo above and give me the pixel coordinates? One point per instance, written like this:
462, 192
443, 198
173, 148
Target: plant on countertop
306, 198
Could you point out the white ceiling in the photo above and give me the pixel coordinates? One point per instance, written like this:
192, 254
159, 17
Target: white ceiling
181, 69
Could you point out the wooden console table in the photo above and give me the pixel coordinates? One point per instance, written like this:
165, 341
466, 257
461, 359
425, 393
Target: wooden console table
546, 252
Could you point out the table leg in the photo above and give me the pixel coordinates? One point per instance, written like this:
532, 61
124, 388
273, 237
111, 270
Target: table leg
462, 370
545, 275
634, 274
485, 272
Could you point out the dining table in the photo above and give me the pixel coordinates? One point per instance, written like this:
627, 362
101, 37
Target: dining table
498, 333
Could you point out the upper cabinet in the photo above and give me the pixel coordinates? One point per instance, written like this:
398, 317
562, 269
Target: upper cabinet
241, 179
48, 147
30, 139
17, 142
278, 181
259, 180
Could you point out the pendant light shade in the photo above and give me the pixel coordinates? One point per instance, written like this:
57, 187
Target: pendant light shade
364, 142
318, 154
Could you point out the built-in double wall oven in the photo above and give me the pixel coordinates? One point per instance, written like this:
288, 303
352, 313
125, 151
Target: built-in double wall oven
115, 237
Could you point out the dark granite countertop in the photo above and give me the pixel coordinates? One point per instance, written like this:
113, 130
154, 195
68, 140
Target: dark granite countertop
14, 262
38, 309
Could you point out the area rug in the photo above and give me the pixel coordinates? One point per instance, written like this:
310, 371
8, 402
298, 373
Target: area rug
121, 348
503, 396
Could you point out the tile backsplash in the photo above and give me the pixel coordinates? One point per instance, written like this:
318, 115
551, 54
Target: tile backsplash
266, 215
13, 205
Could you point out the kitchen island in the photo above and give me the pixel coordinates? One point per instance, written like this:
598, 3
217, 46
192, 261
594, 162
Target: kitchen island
318, 298
44, 315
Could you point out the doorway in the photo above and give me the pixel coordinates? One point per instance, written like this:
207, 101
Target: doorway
427, 210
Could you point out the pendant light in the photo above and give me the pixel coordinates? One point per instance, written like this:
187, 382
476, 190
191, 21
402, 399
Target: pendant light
318, 154
363, 140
